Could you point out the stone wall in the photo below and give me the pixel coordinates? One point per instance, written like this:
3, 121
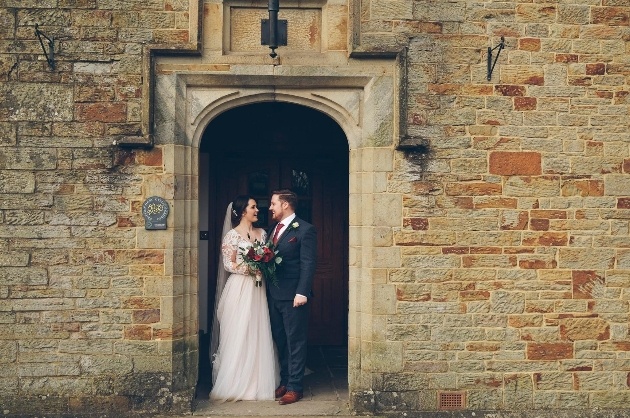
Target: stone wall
514, 286
90, 305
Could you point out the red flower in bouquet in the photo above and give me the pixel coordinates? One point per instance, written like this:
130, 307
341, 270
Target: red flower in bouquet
260, 257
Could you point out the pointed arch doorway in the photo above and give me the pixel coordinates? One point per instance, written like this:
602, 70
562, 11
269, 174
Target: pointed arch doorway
256, 148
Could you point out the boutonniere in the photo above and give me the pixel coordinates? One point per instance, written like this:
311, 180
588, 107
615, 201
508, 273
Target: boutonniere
294, 225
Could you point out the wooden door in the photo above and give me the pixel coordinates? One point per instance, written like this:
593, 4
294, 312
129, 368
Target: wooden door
322, 187
261, 147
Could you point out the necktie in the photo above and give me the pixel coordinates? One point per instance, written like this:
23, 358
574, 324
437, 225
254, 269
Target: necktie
275, 234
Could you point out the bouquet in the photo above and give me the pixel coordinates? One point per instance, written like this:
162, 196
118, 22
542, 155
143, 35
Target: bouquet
260, 257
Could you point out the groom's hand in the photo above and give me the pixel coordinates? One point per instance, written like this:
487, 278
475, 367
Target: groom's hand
299, 300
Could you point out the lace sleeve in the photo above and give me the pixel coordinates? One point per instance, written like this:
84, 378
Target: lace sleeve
229, 249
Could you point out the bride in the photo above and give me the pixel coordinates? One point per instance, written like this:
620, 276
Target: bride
244, 361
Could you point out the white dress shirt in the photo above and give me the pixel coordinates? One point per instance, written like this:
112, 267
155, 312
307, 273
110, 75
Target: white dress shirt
285, 224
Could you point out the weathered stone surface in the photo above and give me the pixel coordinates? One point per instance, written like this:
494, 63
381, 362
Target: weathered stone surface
27, 159
29, 101
507, 303
515, 163
574, 329
22, 275
583, 259
549, 351
111, 365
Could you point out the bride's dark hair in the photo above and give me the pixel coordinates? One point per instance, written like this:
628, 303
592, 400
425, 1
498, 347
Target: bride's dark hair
239, 204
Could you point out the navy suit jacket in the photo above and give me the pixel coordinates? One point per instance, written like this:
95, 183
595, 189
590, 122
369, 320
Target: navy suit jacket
298, 248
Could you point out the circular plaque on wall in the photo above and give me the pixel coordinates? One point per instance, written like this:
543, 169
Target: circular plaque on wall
155, 211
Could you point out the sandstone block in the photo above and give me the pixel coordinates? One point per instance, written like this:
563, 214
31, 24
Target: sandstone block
573, 329
520, 74
529, 44
451, 12
30, 276
614, 185
12, 259
430, 262
517, 392
536, 13
507, 302
584, 259
521, 321
553, 381
384, 205
462, 224
16, 182
387, 356
383, 299
458, 334
50, 384
608, 306
408, 333
413, 292
613, 16
549, 351
583, 188
8, 351
545, 239
515, 163
573, 14
102, 112
525, 103
484, 399
586, 284
140, 332
488, 261
35, 101
9, 386
399, 10
532, 186
111, 364
488, 380
594, 381
27, 159
473, 189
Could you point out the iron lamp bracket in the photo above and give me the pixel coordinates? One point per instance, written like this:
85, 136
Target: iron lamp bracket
50, 53
491, 64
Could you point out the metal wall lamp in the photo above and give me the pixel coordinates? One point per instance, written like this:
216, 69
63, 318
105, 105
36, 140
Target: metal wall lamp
50, 54
273, 32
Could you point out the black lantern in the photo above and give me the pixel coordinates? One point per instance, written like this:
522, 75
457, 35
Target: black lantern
273, 32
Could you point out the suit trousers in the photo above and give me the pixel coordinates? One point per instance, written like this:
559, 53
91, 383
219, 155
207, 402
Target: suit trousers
289, 327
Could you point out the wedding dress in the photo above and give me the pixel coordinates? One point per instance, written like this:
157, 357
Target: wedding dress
245, 365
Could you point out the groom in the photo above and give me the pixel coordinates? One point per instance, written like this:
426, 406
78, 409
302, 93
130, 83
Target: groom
296, 242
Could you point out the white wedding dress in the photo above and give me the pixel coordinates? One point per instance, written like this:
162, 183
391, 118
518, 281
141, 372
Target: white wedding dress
245, 364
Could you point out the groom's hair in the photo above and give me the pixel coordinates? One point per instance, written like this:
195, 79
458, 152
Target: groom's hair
288, 196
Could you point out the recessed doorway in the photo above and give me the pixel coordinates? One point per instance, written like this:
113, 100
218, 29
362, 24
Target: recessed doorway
254, 149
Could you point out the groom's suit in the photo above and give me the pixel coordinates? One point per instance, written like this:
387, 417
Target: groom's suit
298, 248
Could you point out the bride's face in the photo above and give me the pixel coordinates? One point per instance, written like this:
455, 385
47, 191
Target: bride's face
251, 211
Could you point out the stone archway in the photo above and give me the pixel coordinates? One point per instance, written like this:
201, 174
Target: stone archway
364, 108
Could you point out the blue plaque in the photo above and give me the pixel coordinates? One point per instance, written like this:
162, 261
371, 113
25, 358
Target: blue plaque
155, 211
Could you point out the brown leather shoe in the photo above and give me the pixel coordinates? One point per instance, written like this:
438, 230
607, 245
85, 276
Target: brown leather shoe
280, 391
290, 397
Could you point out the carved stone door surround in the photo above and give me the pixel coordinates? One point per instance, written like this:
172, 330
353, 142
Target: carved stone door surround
365, 107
